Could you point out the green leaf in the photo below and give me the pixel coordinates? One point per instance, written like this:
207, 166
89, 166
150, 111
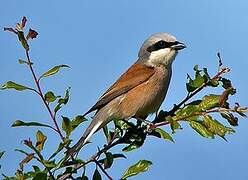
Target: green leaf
77, 121
21, 151
62, 100
114, 156
194, 84
53, 70
18, 123
226, 83
205, 71
106, 132
23, 40
213, 83
36, 169
82, 178
40, 176
174, 125
70, 170
164, 134
13, 85
57, 108
199, 80
108, 161
40, 140
188, 110
196, 68
50, 97
230, 118
49, 164
137, 168
23, 62
201, 129
66, 98
209, 102
119, 156
216, 127
66, 126
97, 175
131, 147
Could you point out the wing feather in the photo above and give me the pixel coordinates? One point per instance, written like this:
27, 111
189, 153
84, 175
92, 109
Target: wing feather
135, 75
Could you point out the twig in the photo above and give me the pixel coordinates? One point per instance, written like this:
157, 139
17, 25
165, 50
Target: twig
40, 93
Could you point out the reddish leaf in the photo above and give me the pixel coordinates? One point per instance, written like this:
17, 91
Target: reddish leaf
28, 143
41, 139
223, 98
24, 20
28, 158
10, 30
32, 34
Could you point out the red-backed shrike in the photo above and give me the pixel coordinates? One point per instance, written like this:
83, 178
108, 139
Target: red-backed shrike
140, 90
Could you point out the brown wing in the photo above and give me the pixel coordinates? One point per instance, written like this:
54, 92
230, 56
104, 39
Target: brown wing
135, 75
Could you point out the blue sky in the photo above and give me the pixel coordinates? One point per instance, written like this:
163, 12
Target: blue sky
100, 40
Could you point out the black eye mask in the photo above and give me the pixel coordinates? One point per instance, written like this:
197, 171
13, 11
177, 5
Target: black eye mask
161, 45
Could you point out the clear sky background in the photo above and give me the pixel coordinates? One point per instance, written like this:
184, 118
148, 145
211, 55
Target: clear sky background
100, 40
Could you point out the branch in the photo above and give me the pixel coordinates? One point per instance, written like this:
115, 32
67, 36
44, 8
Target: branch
40, 93
201, 113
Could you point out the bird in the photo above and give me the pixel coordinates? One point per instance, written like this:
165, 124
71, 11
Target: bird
139, 91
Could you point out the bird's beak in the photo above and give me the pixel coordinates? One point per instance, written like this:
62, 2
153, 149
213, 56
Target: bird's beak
179, 46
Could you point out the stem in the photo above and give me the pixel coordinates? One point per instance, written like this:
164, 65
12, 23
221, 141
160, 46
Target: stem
40, 93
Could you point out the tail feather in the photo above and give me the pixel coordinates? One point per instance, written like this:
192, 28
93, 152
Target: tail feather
98, 122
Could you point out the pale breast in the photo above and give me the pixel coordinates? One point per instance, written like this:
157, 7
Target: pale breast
157, 87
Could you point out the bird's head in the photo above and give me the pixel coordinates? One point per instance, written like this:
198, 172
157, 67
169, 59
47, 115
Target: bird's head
160, 49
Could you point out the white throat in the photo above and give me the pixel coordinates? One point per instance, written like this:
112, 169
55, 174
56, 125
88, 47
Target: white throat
162, 57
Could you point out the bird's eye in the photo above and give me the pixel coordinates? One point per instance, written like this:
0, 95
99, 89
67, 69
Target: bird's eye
161, 44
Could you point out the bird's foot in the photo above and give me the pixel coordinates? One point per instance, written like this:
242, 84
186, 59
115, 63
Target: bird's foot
150, 127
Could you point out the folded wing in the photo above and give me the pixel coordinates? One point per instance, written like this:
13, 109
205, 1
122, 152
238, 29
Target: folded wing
135, 75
